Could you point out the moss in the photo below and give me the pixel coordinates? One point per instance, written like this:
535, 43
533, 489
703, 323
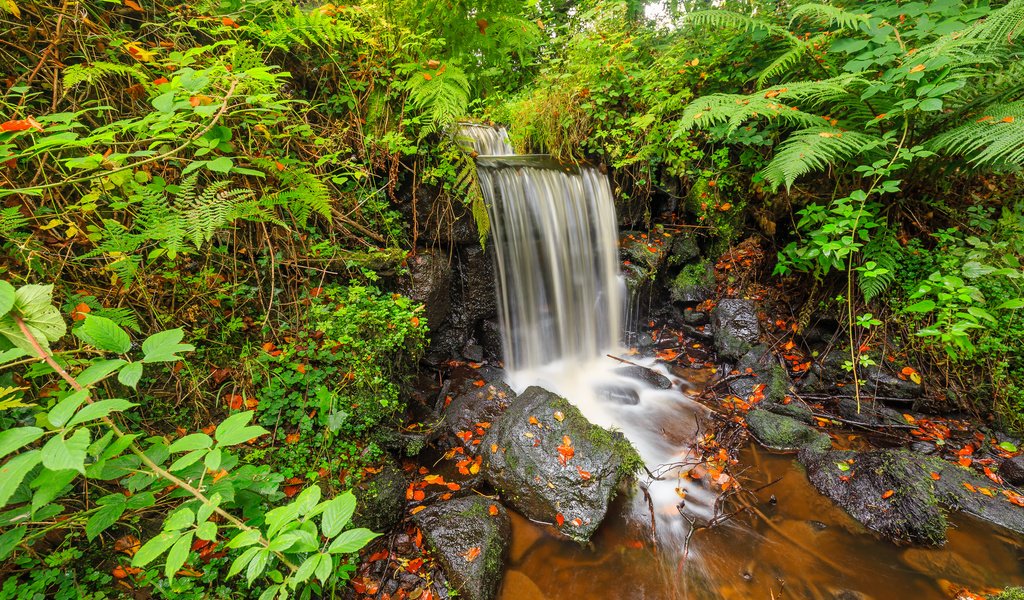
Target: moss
1010, 593
692, 278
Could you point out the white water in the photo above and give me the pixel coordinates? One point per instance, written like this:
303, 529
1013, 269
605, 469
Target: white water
561, 304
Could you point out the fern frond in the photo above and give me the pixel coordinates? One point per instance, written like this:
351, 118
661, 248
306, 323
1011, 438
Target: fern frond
996, 139
728, 18
827, 15
814, 149
885, 252
785, 62
298, 191
218, 205
93, 72
311, 29
10, 221
1001, 27
441, 97
467, 183
123, 316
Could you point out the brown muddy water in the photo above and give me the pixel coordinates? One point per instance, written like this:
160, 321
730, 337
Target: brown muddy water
803, 547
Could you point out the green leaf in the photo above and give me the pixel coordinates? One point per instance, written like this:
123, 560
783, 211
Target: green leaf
922, 306
130, 374
1012, 304
843, 466
154, 548
338, 514
35, 305
206, 509
308, 499
60, 414
235, 429
245, 538
98, 410
307, 568
7, 295
241, 562
931, 104
222, 164
207, 531
212, 460
10, 539
193, 441
180, 519
257, 565
104, 334
188, 460
104, 517
325, 569
11, 354
1008, 446
17, 438
351, 540
164, 346
60, 453
99, 370
178, 555
49, 484
164, 102
14, 471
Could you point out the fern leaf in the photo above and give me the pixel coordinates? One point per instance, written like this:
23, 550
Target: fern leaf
91, 73
1002, 26
814, 149
785, 62
442, 97
828, 15
885, 252
10, 221
728, 18
995, 139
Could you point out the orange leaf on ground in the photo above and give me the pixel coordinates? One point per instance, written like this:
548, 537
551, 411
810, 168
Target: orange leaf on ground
935, 476
559, 519
887, 494
493, 510
479, 383
471, 554
291, 438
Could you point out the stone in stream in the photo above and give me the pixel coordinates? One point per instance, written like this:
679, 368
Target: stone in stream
902, 495
480, 404
648, 376
552, 465
380, 498
1012, 470
469, 542
765, 370
736, 327
784, 433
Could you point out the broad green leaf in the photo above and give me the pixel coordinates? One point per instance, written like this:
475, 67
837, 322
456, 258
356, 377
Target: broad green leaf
10, 539
337, 514
60, 414
1008, 446
7, 295
164, 346
12, 354
212, 459
60, 453
188, 460
178, 555
308, 499
922, 306
154, 548
235, 429
104, 334
35, 305
130, 374
193, 441
98, 410
326, 568
206, 509
270, 593
1012, 304
307, 568
104, 517
351, 541
242, 561
98, 370
17, 438
257, 565
221, 164
207, 531
180, 519
48, 484
14, 471
245, 538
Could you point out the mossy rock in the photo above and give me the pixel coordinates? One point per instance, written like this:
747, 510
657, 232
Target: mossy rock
694, 283
380, 498
784, 433
571, 487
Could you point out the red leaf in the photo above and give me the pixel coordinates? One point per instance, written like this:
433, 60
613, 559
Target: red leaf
559, 519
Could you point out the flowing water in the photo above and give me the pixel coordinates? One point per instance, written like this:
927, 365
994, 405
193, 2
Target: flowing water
562, 304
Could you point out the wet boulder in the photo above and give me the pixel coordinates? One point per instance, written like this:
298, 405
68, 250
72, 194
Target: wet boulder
553, 465
886, 385
784, 433
902, 495
469, 410
736, 327
430, 283
380, 498
1012, 470
695, 283
469, 536
648, 376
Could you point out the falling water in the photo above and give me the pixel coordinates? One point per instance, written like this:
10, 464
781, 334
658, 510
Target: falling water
562, 303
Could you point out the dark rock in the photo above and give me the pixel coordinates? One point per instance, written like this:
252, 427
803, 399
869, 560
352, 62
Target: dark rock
736, 327
490, 338
783, 433
696, 317
794, 409
618, 394
380, 498
479, 404
913, 512
473, 352
884, 384
456, 530
703, 333
868, 412
430, 283
544, 483
923, 447
684, 248
473, 300
648, 376
694, 284
765, 370
1012, 470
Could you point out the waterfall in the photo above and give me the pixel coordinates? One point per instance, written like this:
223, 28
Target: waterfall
554, 234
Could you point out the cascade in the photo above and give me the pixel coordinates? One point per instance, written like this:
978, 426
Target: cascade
562, 310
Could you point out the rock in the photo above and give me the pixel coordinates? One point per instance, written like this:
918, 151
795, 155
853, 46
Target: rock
884, 384
684, 248
766, 371
430, 283
490, 338
648, 376
696, 317
553, 465
868, 412
786, 434
469, 543
736, 327
473, 352
921, 447
1012, 470
478, 405
794, 409
694, 284
380, 498
913, 512
617, 394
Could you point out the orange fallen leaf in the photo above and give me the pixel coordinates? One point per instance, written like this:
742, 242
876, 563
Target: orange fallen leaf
887, 494
479, 383
291, 438
416, 510
493, 510
471, 554
559, 519
935, 476
128, 544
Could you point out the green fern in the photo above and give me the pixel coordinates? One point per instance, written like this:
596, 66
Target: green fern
310, 29
11, 221
1001, 27
825, 14
785, 62
91, 73
995, 139
297, 191
203, 213
728, 18
120, 247
468, 184
441, 96
814, 149
885, 252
